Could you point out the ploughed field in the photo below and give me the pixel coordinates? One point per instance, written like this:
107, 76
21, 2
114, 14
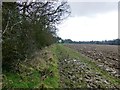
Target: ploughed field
107, 57
77, 69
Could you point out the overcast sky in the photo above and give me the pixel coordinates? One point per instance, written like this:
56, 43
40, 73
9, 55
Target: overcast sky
91, 21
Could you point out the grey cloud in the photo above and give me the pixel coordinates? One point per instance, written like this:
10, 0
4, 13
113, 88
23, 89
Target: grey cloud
92, 8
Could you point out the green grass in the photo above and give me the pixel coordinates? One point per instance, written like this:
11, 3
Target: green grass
16, 80
58, 51
53, 81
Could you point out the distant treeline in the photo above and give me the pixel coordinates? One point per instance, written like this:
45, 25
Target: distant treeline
105, 42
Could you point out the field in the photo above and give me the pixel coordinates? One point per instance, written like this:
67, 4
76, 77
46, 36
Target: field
105, 56
78, 70
68, 66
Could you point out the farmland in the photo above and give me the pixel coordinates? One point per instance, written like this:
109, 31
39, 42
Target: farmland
78, 69
105, 56
68, 66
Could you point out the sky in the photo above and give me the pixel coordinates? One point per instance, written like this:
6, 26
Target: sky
90, 21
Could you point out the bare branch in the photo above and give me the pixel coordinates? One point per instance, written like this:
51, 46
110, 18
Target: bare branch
15, 25
6, 27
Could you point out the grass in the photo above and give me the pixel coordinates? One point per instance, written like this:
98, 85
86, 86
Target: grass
21, 80
54, 81
57, 51
15, 80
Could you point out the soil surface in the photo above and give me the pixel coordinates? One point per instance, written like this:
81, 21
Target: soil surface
106, 56
77, 73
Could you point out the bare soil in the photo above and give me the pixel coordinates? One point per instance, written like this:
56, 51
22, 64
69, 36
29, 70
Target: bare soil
106, 57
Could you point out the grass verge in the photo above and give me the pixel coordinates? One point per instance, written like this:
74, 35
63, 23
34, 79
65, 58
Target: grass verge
39, 72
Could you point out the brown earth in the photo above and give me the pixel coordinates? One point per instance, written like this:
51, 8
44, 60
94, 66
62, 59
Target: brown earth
106, 57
